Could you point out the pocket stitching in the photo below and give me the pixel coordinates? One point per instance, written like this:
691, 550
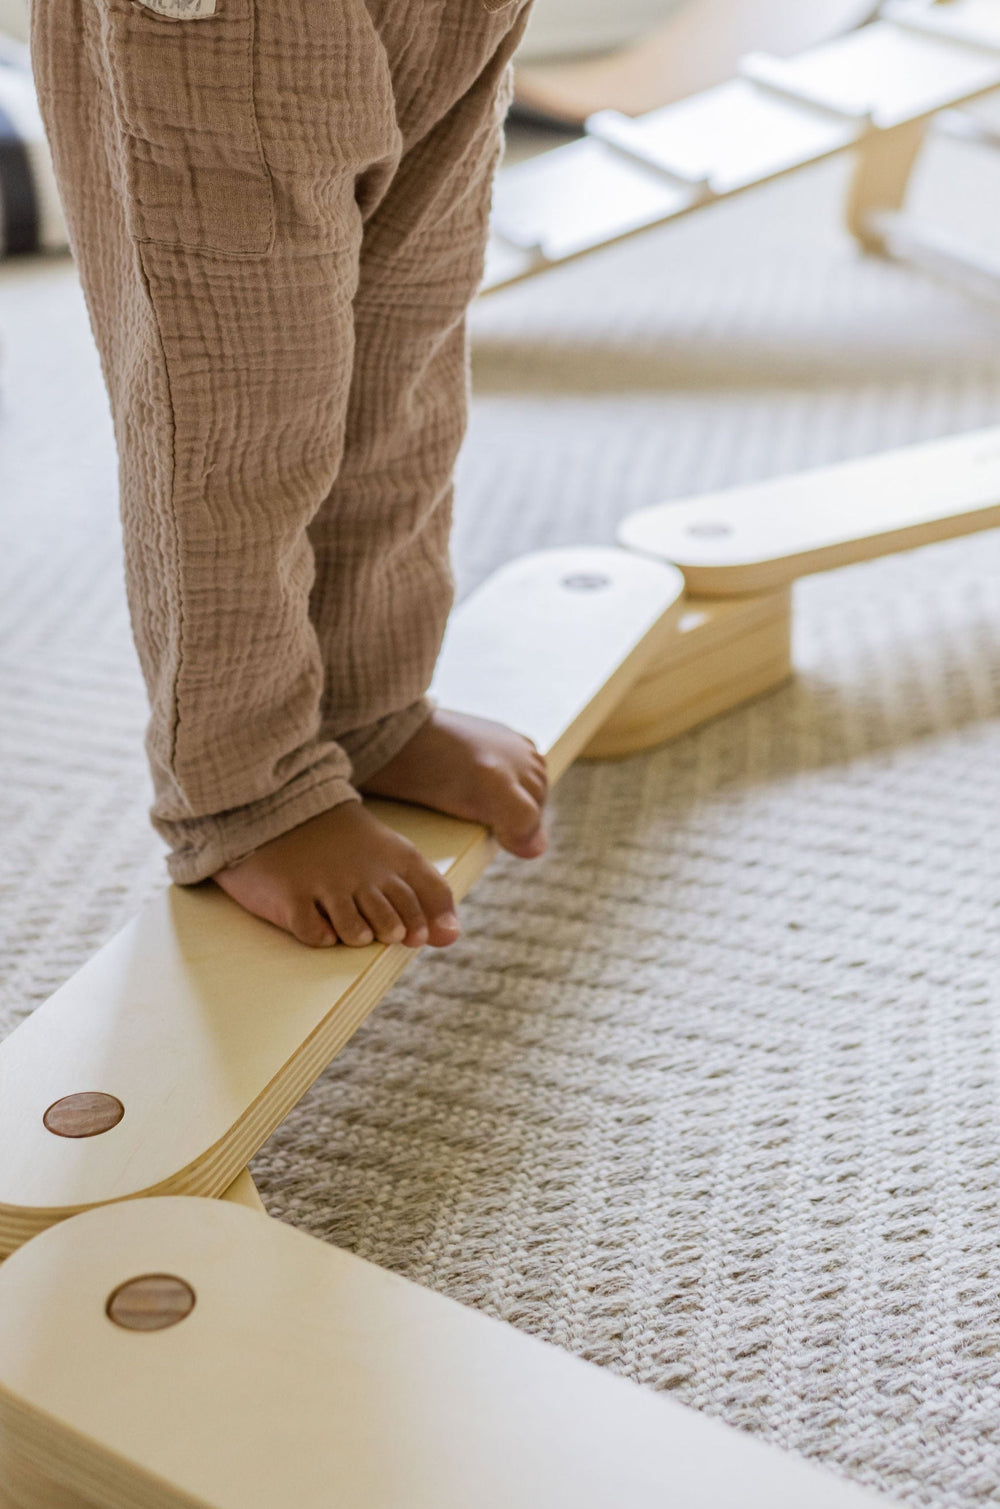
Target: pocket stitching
249, 99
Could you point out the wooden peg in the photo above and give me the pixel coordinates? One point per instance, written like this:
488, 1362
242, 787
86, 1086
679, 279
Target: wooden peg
85, 1114
150, 1302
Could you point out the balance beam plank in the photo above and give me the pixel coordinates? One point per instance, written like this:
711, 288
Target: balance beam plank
891, 73
695, 48
568, 201
166, 1062
305, 1376
732, 137
755, 539
976, 22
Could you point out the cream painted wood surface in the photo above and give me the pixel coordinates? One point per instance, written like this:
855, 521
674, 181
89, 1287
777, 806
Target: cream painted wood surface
307, 1377
207, 1024
752, 539
890, 72
729, 650
695, 48
566, 202
972, 21
737, 135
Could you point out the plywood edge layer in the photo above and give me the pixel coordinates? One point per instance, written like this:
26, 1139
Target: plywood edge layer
301, 1367
756, 539
766, 575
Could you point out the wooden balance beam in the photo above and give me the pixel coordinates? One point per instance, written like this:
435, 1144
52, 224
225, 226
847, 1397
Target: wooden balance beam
166, 1062
871, 92
285, 1372
741, 550
163, 1065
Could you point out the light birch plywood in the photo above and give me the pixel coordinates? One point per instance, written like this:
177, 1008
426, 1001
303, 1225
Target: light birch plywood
728, 651
883, 166
307, 1377
243, 1191
753, 539
24, 1485
207, 1024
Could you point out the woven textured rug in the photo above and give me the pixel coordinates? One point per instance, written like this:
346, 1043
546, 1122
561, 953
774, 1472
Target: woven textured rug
710, 1094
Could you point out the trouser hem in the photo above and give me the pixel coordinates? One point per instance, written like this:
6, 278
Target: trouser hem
372, 748
221, 841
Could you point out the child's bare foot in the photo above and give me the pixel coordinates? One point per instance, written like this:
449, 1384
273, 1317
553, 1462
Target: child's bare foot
473, 768
345, 877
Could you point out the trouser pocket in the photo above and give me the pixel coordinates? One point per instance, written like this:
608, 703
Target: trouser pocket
181, 75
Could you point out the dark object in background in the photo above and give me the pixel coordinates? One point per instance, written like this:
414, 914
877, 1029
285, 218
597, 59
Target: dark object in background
30, 217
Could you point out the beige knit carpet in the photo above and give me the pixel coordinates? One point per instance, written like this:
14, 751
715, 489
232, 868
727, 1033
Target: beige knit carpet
711, 1095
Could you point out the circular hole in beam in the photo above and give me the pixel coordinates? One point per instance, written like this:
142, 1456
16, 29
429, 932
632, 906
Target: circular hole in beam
710, 529
151, 1302
86, 1114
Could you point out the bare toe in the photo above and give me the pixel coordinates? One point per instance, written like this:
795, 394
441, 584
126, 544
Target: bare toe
518, 819
404, 899
436, 904
307, 923
351, 927
385, 919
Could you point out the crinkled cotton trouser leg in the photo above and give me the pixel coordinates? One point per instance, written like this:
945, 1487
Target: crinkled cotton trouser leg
279, 213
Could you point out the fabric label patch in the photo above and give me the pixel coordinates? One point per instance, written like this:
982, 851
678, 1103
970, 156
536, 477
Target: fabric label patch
181, 10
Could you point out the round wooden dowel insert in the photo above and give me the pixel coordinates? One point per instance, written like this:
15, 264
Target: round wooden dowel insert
87, 1114
151, 1302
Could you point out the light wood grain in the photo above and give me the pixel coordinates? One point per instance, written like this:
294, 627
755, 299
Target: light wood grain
883, 167
307, 1377
25, 1485
728, 651
207, 1024
243, 1191
753, 539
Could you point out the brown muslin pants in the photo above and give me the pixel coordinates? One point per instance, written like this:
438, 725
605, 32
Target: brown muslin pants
279, 212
